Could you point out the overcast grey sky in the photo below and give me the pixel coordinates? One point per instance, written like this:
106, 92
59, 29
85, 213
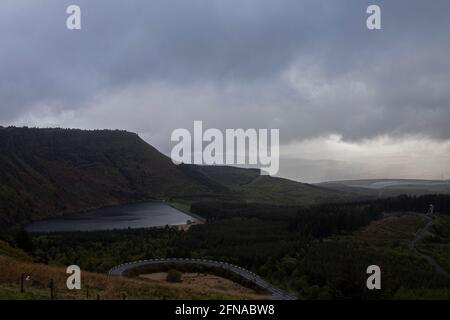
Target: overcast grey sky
349, 102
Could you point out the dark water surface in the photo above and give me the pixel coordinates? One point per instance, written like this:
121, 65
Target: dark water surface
137, 215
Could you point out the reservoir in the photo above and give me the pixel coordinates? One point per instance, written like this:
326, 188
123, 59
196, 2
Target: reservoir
137, 215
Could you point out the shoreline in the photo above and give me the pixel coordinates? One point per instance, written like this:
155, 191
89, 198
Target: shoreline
180, 226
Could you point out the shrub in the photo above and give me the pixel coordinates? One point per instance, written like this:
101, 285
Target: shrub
173, 276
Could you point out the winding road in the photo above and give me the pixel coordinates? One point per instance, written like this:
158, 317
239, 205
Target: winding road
246, 274
250, 276
419, 234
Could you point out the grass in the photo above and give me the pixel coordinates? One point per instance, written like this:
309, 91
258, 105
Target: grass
182, 206
422, 294
392, 235
107, 287
436, 242
7, 249
385, 242
185, 206
9, 292
280, 191
397, 229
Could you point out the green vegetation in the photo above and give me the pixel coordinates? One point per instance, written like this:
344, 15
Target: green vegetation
101, 250
320, 252
394, 229
436, 243
10, 251
50, 172
313, 240
46, 172
13, 293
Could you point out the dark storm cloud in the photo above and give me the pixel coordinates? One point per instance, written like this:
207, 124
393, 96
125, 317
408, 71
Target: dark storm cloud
309, 67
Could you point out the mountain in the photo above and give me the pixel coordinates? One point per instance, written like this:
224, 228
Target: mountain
47, 172
249, 185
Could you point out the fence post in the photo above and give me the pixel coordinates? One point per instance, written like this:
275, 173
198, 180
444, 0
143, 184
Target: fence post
52, 285
21, 282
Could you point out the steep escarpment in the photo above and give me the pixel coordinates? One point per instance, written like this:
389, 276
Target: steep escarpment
48, 171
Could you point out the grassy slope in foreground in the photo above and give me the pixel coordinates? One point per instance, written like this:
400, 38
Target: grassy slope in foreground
107, 287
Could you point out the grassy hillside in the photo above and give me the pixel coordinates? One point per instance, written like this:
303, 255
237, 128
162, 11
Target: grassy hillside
47, 172
107, 287
8, 250
228, 176
287, 192
436, 242
318, 252
250, 186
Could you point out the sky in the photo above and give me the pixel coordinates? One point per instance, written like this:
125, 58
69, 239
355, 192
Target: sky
350, 103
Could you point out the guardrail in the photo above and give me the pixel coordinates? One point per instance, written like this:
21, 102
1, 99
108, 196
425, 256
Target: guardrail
246, 274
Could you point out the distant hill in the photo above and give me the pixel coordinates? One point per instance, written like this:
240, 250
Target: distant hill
249, 185
390, 187
46, 172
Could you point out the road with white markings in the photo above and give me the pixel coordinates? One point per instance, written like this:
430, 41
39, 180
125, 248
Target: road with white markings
246, 274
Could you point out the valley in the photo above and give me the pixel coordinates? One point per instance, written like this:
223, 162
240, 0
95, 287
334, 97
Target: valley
53, 172
111, 187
